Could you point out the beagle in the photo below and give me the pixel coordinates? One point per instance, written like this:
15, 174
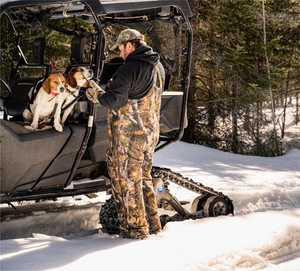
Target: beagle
77, 77
48, 101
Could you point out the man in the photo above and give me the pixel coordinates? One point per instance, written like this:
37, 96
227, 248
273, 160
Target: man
133, 99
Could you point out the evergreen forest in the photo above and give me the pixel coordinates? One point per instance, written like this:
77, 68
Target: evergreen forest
245, 75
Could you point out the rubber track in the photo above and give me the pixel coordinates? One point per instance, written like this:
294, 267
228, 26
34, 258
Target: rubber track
166, 174
108, 217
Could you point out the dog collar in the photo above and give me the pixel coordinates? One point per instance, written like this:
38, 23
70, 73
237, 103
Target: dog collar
73, 92
55, 94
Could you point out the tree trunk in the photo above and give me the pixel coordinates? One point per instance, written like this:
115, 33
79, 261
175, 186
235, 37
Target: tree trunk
297, 108
234, 144
285, 105
270, 88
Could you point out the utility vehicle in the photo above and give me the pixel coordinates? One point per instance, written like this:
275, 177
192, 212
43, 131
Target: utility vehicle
48, 164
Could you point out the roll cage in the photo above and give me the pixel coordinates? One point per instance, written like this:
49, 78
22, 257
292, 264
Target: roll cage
81, 147
136, 14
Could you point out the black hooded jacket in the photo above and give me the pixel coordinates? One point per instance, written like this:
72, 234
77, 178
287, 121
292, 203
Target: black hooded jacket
134, 79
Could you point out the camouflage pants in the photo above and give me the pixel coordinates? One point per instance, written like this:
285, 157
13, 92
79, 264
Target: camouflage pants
133, 132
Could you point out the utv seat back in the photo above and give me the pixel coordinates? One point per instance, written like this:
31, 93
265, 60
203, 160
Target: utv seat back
21, 92
23, 88
78, 45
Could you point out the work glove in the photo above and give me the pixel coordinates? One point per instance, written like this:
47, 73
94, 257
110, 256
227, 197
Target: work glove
92, 93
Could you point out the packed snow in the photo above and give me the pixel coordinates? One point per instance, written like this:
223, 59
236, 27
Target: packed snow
263, 233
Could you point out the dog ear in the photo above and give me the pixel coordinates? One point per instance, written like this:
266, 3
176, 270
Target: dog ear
71, 79
46, 86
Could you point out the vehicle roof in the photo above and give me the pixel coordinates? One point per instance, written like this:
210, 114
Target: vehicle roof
104, 6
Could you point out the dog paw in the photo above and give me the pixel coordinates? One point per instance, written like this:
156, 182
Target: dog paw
58, 128
34, 125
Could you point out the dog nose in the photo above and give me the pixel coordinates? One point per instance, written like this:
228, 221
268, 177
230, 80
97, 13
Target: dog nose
62, 89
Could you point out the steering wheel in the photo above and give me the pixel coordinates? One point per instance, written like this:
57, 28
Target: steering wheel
5, 95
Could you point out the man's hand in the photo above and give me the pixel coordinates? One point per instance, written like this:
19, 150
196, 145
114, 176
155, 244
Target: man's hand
92, 93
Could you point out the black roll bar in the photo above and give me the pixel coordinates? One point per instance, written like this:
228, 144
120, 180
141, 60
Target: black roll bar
186, 85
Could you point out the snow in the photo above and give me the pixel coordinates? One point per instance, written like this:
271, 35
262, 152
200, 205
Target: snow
263, 233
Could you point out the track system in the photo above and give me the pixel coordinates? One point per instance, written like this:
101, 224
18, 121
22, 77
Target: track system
166, 174
209, 203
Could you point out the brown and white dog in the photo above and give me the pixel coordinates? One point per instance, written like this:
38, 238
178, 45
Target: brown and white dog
51, 93
76, 79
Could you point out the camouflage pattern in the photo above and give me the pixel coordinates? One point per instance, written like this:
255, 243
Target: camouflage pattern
126, 35
133, 132
93, 93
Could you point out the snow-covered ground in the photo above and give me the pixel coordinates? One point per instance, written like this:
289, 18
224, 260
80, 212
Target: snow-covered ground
264, 233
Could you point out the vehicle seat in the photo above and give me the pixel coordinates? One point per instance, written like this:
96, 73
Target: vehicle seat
22, 90
38, 49
78, 45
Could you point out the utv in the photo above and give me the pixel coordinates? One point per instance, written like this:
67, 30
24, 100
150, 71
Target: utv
48, 164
